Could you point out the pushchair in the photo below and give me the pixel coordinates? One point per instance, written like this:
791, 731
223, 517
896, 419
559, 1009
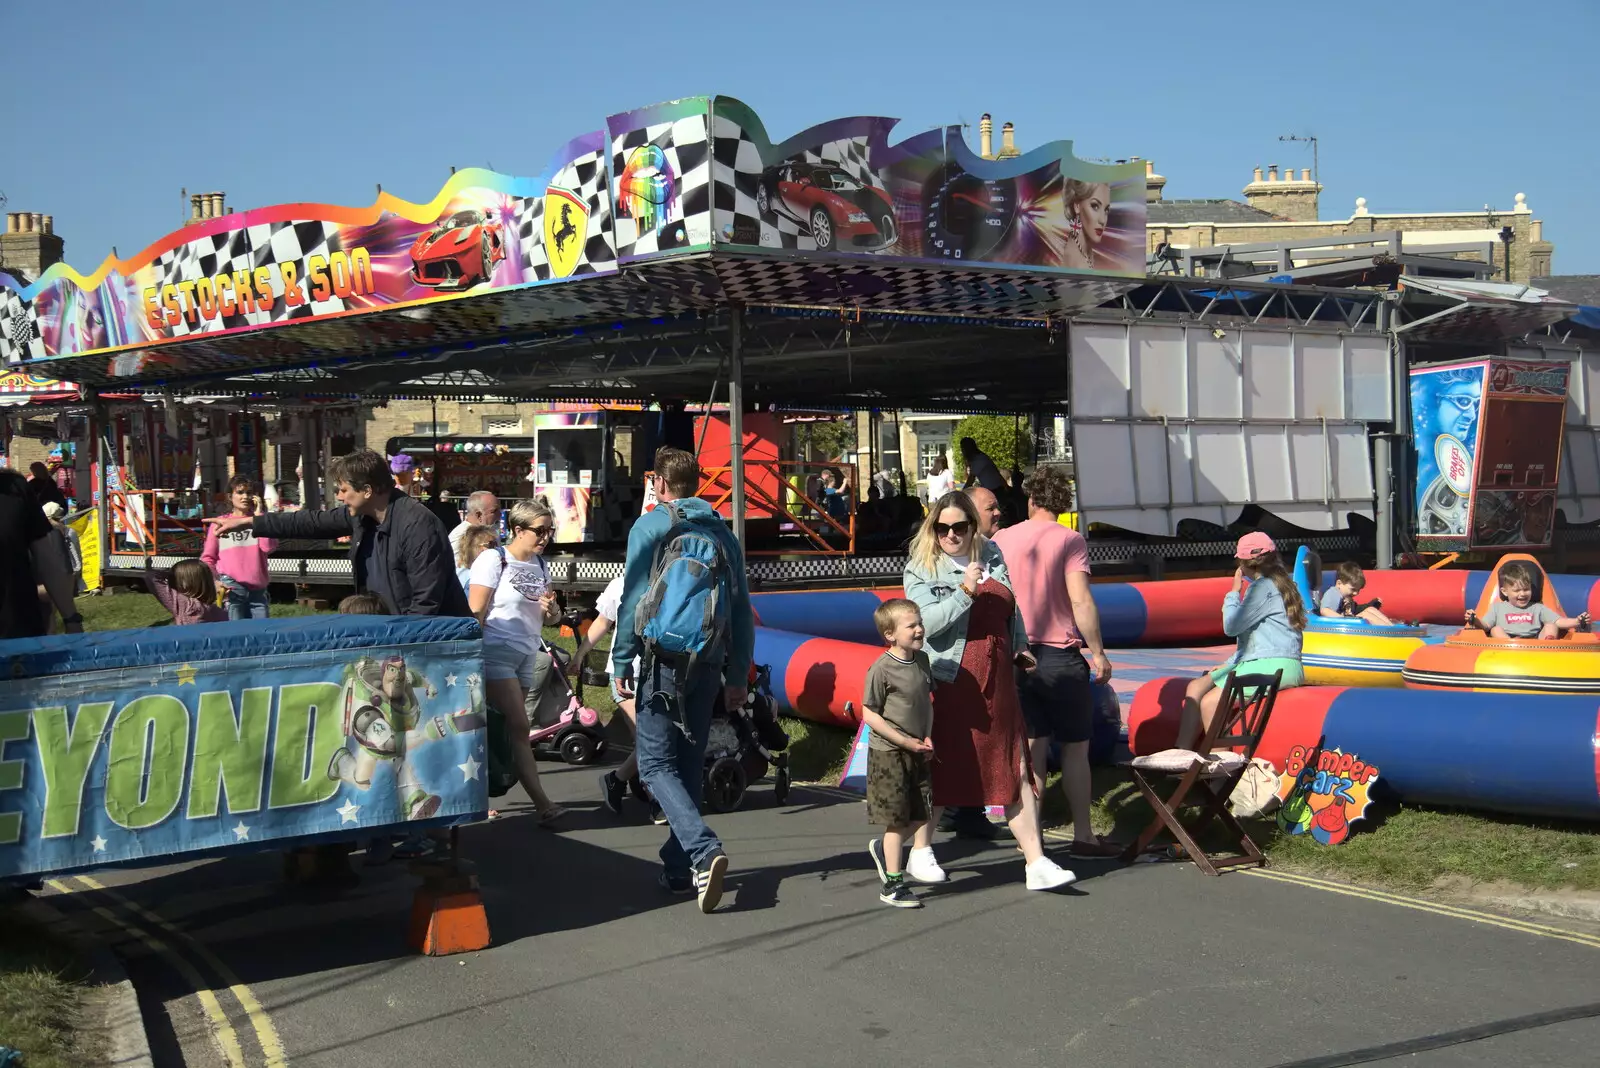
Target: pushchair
744, 745
740, 748
560, 723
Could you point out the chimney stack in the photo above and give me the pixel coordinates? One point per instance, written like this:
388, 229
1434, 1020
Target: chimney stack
29, 245
1008, 144
216, 205
194, 207
1289, 198
1153, 183
986, 136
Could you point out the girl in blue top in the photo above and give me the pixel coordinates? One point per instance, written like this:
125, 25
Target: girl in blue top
1267, 619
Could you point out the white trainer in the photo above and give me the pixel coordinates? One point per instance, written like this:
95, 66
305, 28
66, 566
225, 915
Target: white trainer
1046, 874
921, 867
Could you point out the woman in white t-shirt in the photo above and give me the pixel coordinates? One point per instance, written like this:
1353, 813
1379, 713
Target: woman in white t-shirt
509, 591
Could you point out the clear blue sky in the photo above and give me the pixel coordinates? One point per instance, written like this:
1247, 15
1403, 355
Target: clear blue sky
1429, 105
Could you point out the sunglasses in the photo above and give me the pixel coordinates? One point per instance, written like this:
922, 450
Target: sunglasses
960, 529
539, 532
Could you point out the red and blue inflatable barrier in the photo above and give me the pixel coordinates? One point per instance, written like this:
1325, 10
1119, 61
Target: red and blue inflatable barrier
1534, 755
1172, 612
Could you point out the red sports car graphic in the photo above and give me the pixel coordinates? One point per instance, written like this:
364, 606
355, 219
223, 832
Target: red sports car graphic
458, 253
836, 209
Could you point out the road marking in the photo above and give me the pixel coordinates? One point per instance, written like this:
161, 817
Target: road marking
266, 1033
221, 1027
1453, 911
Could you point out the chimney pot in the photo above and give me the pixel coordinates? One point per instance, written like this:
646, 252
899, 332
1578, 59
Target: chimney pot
194, 206
49, 224
986, 137
11, 222
1149, 168
1538, 230
1008, 144
29, 222
1272, 172
1258, 174
1305, 174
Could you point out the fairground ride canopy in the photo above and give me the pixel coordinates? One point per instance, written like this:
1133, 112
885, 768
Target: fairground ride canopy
653, 227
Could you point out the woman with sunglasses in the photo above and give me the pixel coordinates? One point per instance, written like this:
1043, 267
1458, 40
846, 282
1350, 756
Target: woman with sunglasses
975, 642
509, 591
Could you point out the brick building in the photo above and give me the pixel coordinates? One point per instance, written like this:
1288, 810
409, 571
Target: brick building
1282, 207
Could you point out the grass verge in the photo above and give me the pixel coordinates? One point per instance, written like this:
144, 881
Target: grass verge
122, 610
41, 995
1402, 847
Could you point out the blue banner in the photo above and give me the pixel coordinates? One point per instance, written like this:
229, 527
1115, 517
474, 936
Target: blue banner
154, 744
1446, 403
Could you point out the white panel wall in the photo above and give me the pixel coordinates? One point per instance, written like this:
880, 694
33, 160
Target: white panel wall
1171, 422
1578, 492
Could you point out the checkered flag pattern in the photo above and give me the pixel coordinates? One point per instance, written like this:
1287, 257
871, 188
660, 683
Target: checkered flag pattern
738, 172
286, 242
19, 331
899, 286
686, 145
585, 176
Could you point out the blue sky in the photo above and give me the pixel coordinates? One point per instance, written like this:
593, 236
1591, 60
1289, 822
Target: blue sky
1425, 105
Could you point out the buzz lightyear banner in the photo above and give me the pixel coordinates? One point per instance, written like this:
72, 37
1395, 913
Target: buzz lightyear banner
336, 733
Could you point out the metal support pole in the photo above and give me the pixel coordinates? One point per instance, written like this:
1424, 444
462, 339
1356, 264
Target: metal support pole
736, 416
1389, 450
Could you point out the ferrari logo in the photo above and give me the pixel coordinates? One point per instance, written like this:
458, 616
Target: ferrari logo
566, 229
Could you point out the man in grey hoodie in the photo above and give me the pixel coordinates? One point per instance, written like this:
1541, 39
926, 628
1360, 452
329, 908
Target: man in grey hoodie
675, 700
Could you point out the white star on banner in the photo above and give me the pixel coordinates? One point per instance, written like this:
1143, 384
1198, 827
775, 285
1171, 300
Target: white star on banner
449, 680
241, 833
469, 770
99, 844
348, 812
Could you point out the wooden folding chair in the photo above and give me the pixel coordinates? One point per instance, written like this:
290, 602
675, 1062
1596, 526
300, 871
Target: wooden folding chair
1204, 784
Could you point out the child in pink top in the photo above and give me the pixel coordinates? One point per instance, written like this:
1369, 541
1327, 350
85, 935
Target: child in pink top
188, 592
1049, 566
239, 558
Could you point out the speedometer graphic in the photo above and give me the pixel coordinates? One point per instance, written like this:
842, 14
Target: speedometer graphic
964, 216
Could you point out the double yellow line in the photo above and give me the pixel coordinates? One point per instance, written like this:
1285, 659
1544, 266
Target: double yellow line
227, 1038
1540, 930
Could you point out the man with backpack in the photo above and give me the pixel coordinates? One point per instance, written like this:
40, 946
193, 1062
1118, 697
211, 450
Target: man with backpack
686, 611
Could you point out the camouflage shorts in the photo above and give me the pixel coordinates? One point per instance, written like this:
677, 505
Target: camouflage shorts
898, 788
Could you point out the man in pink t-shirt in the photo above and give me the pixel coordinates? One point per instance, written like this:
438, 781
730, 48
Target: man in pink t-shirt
1049, 567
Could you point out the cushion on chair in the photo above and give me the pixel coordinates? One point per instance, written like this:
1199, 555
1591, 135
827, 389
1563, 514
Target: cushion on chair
1181, 760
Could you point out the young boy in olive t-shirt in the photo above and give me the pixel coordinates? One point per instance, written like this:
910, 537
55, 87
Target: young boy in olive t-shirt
898, 708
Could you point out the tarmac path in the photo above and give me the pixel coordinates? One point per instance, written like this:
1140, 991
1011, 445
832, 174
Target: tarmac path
592, 965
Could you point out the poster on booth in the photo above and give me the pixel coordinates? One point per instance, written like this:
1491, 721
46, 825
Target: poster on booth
1322, 792
150, 763
1488, 436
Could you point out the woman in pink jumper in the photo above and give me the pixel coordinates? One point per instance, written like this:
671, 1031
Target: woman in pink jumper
239, 558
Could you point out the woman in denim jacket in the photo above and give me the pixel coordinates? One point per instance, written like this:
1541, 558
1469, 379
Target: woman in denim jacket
975, 641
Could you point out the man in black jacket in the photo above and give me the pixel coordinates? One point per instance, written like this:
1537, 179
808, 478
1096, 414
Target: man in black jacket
398, 548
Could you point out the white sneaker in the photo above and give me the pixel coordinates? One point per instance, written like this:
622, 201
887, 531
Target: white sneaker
1046, 874
921, 867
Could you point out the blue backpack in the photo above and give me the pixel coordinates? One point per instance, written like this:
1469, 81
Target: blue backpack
683, 614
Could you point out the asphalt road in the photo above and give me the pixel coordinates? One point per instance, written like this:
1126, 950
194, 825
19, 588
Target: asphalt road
591, 965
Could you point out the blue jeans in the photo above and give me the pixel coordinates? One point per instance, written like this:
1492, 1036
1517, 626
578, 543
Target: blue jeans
246, 604
672, 762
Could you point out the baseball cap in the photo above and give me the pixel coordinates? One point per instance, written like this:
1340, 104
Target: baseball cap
1254, 544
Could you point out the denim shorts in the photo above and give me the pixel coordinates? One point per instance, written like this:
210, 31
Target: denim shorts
508, 662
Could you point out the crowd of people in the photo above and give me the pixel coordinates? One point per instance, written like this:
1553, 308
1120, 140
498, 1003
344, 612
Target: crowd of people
989, 663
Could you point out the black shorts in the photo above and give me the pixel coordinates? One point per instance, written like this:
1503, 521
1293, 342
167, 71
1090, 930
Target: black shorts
898, 788
1057, 697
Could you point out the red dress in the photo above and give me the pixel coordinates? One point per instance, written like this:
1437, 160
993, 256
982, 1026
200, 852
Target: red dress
978, 733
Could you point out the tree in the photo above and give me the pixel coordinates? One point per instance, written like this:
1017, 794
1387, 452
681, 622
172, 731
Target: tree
831, 440
1006, 439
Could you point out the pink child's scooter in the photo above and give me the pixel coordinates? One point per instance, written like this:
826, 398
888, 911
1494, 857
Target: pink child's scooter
562, 725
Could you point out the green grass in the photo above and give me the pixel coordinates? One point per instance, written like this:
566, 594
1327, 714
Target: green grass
1403, 847
41, 995
122, 610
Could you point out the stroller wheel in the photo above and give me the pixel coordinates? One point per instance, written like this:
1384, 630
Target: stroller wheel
577, 748
780, 785
725, 784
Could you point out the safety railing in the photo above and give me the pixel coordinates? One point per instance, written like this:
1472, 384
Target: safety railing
150, 522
